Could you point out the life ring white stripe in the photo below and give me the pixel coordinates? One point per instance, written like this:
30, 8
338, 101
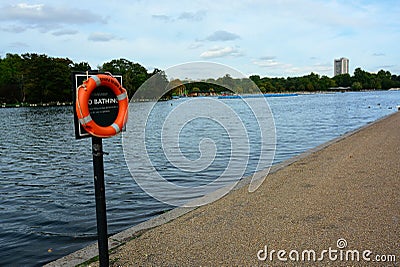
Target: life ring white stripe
121, 96
116, 127
96, 79
85, 120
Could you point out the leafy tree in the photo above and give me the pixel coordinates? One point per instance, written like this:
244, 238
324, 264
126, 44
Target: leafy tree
226, 81
325, 83
356, 86
385, 78
248, 86
133, 74
46, 79
265, 85
362, 77
177, 87
343, 80
82, 66
154, 87
255, 78
11, 79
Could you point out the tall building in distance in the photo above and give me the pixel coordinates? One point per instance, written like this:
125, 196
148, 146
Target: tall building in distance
341, 66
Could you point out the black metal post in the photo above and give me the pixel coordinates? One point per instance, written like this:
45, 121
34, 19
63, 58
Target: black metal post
98, 167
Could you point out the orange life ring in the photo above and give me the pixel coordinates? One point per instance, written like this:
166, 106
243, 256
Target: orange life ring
82, 105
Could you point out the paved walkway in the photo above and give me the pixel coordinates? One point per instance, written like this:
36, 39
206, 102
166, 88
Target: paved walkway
349, 190
341, 202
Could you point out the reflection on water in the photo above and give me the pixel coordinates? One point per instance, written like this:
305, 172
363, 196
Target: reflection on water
47, 206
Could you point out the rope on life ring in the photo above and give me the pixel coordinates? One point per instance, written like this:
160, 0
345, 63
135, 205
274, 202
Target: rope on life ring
82, 105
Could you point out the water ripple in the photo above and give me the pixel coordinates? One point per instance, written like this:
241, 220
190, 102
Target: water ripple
47, 205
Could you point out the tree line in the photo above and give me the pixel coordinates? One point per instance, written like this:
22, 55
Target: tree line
34, 78
361, 80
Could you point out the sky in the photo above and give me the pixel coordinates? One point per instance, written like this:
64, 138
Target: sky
273, 38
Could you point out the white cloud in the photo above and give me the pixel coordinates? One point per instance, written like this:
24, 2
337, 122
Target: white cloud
64, 32
13, 28
46, 17
386, 66
282, 68
163, 18
222, 36
220, 52
270, 62
192, 16
266, 58
319, 68
195, 45
18, 45
280, 38
102, 37
188, 16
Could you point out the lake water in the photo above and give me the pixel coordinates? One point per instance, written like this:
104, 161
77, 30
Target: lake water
47, 206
